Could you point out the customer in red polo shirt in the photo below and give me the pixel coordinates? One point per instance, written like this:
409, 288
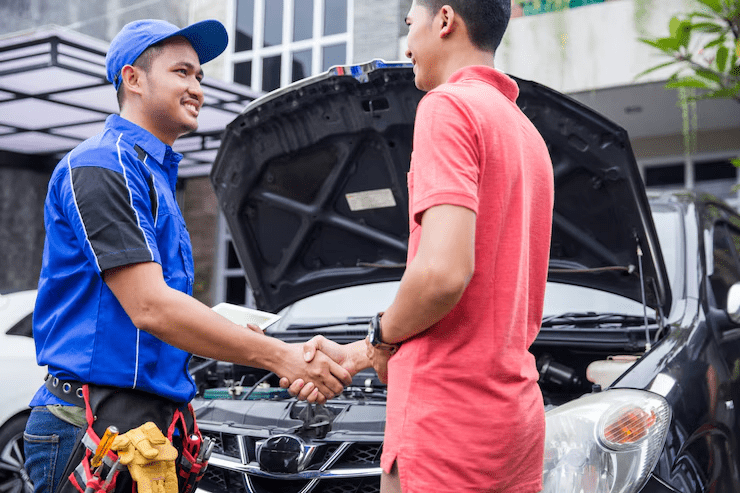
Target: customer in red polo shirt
465, 413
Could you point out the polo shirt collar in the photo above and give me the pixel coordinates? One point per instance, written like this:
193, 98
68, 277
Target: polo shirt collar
488, 75
155, 148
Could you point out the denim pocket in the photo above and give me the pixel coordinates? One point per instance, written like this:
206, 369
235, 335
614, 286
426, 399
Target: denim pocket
48, 443
42, 452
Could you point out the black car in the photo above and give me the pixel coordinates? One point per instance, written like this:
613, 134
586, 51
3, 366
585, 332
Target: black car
639, 350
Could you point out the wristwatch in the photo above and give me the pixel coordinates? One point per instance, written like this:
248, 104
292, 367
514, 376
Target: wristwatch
375, 337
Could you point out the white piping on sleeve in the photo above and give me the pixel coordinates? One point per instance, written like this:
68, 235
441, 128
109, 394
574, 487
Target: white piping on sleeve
138, 222
136, 362
77, 208
131, 198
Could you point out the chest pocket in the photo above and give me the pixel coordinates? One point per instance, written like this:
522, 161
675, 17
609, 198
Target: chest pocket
173, 239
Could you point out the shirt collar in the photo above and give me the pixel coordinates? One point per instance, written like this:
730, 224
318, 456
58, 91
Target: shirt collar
488, 75
155, 148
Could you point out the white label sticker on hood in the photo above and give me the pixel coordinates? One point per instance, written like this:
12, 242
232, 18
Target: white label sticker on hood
371, 199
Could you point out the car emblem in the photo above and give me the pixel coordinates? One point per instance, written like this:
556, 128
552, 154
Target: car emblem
284, 454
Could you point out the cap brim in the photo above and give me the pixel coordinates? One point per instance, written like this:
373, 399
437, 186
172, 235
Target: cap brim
208, 38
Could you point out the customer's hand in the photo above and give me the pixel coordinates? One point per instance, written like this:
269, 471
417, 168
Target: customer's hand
325, 378
379, 360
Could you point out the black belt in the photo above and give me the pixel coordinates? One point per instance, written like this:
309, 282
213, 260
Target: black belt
67, 390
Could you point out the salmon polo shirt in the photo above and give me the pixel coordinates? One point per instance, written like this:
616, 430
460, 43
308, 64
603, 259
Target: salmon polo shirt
465, 413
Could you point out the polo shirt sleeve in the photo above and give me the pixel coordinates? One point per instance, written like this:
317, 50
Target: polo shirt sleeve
445, 155
110, 207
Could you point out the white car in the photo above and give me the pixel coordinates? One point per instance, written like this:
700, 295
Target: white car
21, 378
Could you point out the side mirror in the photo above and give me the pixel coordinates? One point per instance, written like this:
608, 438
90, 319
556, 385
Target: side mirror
733, 303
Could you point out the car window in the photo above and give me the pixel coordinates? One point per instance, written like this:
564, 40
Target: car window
367, 300
669, 227
563, 298
726, 271
340, 304
22, 328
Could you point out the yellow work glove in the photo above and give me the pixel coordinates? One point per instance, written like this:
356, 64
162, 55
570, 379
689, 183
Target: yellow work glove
150, 458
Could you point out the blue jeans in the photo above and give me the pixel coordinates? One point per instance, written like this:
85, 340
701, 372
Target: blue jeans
48, 443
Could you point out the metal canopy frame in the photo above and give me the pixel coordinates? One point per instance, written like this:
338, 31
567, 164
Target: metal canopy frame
54, 95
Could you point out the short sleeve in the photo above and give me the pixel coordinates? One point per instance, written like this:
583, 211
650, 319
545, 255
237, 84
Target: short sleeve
446, 155
111, 211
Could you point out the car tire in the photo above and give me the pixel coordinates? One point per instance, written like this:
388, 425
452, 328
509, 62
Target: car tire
13, 476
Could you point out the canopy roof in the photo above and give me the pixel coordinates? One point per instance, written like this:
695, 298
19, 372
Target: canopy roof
54, 95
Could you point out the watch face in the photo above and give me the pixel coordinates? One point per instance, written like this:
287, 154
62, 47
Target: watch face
374, 331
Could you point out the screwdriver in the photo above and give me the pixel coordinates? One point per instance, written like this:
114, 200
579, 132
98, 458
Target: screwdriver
104, 446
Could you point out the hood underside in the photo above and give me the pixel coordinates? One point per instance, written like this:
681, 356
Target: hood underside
312, 181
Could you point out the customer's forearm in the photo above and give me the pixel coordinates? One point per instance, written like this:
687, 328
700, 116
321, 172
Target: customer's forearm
426, 294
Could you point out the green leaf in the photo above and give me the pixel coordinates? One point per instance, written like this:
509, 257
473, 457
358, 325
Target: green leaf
687, 82
702, 15
708, 27
673, 26
657, 67
721, 94
715, 42
735, 162
715, 5
683, 35
668, 44
722, 53
708, 74
654, 44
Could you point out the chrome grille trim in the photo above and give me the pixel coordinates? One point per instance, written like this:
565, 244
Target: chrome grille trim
218, 460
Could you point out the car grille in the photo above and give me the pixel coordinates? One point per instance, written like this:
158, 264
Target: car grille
354, 467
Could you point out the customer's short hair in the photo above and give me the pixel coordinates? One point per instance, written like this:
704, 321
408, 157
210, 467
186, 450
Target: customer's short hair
144, 62
486, 20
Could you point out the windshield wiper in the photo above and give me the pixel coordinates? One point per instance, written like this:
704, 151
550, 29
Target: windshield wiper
330, 323
584, 319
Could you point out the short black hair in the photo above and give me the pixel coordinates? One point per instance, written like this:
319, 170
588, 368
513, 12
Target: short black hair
144, 62
486, 20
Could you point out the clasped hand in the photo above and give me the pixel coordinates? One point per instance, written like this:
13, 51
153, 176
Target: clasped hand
351, 357
319, 377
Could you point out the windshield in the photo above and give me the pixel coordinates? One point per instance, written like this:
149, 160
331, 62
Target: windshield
564, 298
359, 303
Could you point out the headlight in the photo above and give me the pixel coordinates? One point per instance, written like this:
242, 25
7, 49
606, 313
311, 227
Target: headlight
606, 442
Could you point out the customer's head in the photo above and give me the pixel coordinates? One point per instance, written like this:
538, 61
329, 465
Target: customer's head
486, 20
441, 31
156, 70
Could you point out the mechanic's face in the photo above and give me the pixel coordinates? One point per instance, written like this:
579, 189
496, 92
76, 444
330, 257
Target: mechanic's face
423, 41
172, 94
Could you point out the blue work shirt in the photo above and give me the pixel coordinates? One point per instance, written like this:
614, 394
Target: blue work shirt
111, 202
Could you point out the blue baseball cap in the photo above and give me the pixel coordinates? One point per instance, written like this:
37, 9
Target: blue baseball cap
208, 38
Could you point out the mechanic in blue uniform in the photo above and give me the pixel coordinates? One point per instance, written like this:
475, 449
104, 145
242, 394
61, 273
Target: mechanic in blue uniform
114, 312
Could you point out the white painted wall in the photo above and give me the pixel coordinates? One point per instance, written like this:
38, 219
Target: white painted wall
590, 47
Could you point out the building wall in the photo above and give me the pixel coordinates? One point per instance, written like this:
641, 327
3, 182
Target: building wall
23, 182
589, 47
100, 19
199, 207
24, 179
378, 26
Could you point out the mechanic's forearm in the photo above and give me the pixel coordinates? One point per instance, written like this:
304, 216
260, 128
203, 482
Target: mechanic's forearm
426, 294
186, 323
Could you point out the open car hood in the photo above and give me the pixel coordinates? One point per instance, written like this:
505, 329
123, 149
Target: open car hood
312, 181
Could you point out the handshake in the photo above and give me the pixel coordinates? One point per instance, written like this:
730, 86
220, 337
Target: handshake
319, 369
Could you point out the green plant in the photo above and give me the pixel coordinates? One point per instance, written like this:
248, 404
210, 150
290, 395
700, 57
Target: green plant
704, 46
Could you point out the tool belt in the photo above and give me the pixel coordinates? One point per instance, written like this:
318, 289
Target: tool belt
67, 390
127, 409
